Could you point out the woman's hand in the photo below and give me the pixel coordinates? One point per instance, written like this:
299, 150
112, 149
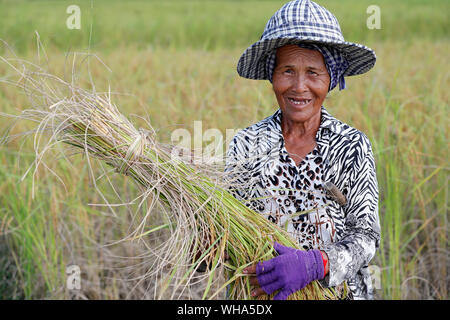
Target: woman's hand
289, 272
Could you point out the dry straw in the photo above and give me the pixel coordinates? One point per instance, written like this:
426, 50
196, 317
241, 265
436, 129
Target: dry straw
202, 220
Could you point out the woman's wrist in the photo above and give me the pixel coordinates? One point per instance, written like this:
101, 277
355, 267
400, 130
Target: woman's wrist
326, 267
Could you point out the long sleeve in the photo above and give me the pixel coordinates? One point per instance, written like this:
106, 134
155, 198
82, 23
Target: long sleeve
235, 166
349, 257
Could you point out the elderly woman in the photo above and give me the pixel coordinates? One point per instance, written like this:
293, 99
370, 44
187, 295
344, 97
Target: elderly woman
302, 168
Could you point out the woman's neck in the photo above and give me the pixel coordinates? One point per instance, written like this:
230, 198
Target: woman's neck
300, 130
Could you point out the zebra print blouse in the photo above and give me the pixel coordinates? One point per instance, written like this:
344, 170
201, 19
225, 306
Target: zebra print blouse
346, 160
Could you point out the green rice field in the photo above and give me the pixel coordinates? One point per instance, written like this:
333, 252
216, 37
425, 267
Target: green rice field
174, 62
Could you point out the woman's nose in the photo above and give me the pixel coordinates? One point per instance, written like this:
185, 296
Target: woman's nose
300, 83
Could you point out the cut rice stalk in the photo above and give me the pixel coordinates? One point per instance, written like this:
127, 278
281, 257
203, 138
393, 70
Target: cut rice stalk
195, 194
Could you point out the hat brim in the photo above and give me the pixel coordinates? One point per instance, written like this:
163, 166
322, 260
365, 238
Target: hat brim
252, 63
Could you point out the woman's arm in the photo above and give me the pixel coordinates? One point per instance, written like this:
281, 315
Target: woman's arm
362, 230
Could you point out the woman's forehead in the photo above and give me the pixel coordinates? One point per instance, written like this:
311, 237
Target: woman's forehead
293, 54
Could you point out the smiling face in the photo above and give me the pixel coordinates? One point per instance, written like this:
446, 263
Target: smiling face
300, 82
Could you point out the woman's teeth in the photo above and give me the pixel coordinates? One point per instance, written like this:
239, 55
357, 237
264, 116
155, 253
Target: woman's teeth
299, 102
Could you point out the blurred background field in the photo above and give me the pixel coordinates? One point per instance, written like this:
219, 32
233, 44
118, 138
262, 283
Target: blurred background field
175, 62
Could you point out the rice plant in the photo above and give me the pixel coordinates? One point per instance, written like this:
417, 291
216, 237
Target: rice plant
202, 223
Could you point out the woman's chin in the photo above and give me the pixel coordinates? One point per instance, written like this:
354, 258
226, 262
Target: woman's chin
301, 113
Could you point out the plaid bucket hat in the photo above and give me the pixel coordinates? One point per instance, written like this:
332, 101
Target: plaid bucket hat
303, 22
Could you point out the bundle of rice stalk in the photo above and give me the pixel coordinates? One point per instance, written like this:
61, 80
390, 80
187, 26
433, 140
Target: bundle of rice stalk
203, 219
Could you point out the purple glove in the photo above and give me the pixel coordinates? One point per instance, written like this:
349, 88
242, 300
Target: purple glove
291, 271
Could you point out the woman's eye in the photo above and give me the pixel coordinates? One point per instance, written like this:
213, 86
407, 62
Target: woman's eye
289, 71
312, 72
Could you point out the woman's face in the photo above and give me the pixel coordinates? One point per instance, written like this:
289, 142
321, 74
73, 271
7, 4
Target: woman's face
300, 82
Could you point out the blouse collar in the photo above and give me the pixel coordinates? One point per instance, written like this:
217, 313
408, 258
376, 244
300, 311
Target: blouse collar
329, 125
327, 122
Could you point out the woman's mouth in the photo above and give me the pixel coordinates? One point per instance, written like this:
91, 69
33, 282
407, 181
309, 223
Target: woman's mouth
299, 101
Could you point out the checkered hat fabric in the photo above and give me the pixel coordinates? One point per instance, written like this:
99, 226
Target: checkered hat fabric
303, 22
